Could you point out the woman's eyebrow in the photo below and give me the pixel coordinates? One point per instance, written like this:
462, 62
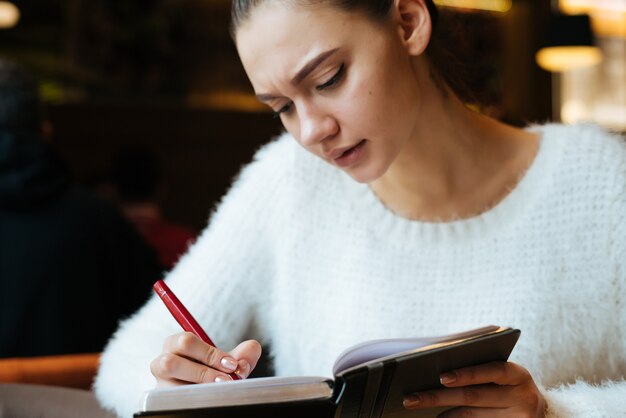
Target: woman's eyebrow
311, 65
307, 69
265, 97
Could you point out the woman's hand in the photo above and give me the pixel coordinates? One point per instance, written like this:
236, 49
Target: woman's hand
498, 389
187, 359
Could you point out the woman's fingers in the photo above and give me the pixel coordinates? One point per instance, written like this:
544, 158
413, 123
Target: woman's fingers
476, 412
487, 390
248, 354
188, 359
498, 372
171, 369
190, 346
492, 396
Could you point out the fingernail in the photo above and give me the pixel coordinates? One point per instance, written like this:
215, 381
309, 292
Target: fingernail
411, 401
229, 363
447, 378
222, 379
244, 369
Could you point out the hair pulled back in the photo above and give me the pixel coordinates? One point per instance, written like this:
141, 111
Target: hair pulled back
446, 69
378, 9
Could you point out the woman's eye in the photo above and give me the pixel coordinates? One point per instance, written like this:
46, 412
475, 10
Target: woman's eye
334, 80
285, 109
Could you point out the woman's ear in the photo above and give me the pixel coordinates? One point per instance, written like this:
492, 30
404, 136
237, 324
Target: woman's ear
414, 24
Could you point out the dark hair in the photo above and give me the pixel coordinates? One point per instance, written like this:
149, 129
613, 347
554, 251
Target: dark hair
447, 69
241, 9
20, 106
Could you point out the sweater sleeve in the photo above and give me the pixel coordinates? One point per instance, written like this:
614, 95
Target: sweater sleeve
607, 399
584, 400
224, 281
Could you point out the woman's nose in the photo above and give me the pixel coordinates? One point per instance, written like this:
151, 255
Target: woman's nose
316, 126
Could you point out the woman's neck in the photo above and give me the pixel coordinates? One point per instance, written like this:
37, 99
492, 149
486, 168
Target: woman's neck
457, 164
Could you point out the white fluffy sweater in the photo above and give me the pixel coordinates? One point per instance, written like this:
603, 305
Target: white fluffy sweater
301, 257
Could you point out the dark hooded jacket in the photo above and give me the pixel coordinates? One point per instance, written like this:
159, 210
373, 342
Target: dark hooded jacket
70, 265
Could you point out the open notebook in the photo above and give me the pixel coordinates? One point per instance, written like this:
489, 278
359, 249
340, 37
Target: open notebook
369, 379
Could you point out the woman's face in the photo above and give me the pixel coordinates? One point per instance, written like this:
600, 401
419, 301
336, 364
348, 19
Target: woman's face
342, 84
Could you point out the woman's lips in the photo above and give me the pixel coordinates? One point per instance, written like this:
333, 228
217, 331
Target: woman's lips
349, 156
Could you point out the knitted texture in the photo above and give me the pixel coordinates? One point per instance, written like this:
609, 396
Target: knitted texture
309, 262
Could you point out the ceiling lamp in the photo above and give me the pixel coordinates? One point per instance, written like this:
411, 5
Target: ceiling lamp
608, 17
586, 6
501, 6
9, 15
569, 44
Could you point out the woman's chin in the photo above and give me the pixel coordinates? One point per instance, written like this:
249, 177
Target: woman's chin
364, 175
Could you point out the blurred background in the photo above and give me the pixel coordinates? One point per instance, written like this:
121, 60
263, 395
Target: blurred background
163, 76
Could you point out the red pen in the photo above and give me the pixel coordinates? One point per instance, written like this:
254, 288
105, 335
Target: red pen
182, 315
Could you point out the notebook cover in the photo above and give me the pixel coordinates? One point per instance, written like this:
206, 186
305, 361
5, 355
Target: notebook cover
380, 392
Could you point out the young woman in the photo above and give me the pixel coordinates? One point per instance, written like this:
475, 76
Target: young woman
389, 209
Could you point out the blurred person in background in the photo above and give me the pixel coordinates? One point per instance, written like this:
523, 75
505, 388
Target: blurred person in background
71, 266
136, 181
